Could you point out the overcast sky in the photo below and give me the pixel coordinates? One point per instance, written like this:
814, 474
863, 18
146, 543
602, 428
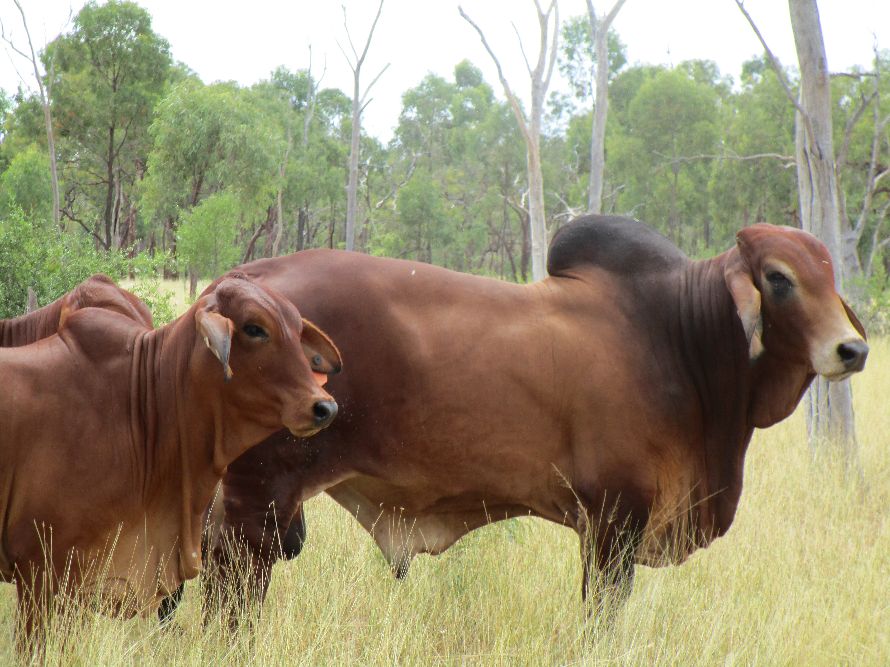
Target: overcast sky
245, 41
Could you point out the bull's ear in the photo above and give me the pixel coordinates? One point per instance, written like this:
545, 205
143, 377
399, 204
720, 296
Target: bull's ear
216, 331
320, 351
854, 320
746, 297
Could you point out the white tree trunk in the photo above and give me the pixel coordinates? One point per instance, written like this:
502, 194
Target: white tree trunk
45, 95
531, 127
358, 105
600, 33
829, 405
352, 185
536, 211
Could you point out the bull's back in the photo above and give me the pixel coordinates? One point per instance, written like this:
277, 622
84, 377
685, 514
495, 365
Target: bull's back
435, 361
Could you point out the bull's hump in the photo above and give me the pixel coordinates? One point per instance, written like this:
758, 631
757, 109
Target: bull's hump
617, 244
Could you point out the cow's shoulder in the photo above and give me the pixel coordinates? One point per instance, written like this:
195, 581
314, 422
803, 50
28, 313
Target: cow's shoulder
614, 243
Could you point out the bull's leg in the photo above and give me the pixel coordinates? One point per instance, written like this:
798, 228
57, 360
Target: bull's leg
261, 500
236, 581
169, 605
295, 537
609, 538
35, 604
243, 549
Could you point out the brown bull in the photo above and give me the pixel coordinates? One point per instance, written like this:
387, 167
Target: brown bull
97, 291
616, 396
114, 438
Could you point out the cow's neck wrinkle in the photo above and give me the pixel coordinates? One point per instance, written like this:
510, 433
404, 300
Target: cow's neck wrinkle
31, 327
714, 354
178, 436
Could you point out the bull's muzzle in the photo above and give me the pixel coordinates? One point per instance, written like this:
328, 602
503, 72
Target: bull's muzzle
323, 413
853, 355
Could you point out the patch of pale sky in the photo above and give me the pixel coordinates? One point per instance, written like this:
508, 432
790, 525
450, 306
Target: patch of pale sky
244, 42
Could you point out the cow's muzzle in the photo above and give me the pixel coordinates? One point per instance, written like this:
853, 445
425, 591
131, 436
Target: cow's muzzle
323, 413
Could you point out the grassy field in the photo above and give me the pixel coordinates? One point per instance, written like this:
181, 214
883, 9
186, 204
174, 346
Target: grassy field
802, 578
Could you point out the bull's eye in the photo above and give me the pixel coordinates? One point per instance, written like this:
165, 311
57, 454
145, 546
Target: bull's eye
255, 331
780, 283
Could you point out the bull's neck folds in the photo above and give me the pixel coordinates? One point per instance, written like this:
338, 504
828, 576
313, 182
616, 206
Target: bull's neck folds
736, 393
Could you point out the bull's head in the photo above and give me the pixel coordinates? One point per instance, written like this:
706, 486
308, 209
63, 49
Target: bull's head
782, 282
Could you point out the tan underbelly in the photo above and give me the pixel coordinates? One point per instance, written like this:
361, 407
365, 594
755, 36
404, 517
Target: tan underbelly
674, 530
130, 579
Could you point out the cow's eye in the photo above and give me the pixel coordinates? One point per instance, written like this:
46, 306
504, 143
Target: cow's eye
779, 282
255, 331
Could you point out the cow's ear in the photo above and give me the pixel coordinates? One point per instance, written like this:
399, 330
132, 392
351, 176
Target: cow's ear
320, 351
216, 331
854, 320
746, 297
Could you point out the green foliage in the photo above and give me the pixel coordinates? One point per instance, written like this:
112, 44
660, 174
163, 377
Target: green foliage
108, 74
26, 185
455, 178
39, 256
206, 238
208, 139
577, 58
661, 151
146, 148
147, 271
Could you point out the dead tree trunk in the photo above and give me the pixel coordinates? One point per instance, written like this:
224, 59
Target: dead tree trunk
531, 126
359, 102
303, 212
599, 31
45, 94
279, 200
829, 405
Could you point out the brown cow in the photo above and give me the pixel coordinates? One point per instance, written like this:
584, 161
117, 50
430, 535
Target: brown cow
114, 438
616, 396
98, 291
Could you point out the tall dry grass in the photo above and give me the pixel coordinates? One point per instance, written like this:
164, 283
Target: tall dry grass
802, 578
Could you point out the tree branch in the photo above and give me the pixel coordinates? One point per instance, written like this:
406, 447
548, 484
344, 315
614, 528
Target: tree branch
528, 65
554, 43
511, 97
370, 85
780, 73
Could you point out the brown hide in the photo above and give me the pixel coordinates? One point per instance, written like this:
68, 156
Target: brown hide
98, 291
118, 435
617, 396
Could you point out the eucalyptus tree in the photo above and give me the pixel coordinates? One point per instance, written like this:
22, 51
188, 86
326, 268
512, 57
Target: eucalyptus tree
360, 100
44, 90
456, 144
753, 178
206, 140
315, 122
589, 73
108, 74
530, 122
669, 130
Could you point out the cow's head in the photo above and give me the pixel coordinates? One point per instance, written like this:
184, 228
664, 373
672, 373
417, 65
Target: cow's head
262, 344
782, 282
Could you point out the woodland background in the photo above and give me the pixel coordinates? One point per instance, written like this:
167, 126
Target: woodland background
162, 174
